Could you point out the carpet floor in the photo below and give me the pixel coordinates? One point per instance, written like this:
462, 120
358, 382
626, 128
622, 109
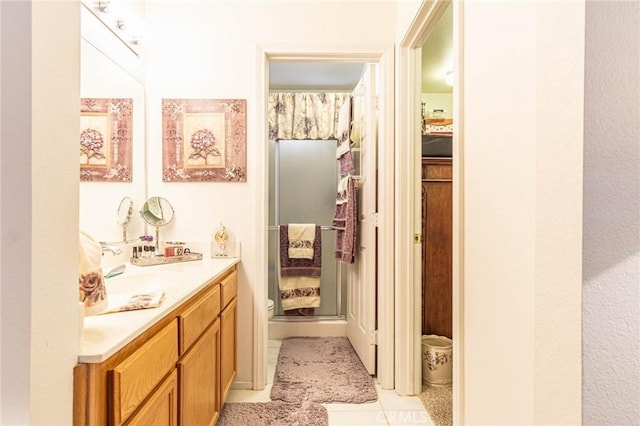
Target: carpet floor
438, 403
275, 413
321, 369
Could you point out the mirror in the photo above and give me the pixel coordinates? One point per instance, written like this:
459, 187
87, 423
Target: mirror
157, 211
125, 209
106, 73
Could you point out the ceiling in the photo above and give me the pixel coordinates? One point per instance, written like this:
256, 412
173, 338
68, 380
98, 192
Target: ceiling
437, 55
437, 60
314, 75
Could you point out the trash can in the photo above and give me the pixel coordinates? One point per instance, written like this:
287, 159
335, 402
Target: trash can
437, 360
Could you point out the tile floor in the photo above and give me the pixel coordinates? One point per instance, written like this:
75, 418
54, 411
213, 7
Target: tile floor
389, 409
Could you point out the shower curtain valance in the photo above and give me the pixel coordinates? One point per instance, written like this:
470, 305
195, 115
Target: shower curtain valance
304, 115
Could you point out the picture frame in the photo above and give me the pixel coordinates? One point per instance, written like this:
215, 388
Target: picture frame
204, 140
105, 139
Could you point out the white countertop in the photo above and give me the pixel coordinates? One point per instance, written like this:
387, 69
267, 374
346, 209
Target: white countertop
104, 335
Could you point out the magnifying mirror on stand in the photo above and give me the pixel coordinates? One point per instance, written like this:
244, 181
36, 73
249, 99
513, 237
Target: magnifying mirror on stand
157, 212
125, 209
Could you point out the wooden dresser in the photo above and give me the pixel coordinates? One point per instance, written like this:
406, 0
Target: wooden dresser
437, 218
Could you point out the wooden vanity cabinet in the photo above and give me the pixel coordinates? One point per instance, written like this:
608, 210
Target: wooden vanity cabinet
199, 365
174, 373
437, 241
229, 331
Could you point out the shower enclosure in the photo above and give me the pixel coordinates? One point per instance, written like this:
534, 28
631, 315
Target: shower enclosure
303, 179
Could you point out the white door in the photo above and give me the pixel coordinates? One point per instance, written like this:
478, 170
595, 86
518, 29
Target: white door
361, 275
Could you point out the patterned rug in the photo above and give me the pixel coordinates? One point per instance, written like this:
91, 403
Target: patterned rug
272, 414
437, 401
321, 369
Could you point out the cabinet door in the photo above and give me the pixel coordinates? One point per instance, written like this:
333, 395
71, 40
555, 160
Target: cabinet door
437, 208
162, 407
198, 373
133, 379
228, 348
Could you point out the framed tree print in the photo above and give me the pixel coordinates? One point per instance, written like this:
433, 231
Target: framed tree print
204, 140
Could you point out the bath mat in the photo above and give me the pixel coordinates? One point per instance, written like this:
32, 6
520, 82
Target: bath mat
275, 413
321, 369
438, 402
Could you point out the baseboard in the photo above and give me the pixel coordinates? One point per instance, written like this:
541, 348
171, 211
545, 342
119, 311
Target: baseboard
242, 385
284, 329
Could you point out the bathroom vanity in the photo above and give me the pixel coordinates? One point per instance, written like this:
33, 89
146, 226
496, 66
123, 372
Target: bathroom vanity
169, 365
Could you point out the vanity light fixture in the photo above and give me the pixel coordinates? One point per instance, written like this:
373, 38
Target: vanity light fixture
135, 39
103, 6
117, 16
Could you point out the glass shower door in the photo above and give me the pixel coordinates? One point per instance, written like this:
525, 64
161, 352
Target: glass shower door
302, 185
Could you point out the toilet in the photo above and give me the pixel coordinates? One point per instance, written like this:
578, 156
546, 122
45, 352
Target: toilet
270, 308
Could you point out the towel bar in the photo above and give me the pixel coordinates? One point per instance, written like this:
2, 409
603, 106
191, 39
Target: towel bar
322, 228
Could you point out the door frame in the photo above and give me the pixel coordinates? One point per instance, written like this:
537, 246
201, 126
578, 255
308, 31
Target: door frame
408, 173
383, 55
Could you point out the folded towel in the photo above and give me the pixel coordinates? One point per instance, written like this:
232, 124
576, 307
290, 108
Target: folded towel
91, 289
344, 123
341, 196
300, 267
118, 303
301, 239
343, 130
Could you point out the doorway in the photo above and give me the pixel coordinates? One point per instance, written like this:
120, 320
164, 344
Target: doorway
408, 176
383, 58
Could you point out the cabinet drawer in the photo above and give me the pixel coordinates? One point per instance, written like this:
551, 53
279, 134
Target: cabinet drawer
198, 316
229, 288
439, 170
134, 378
162, 407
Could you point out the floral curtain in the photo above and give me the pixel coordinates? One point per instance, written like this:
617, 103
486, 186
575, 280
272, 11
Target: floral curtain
304, 115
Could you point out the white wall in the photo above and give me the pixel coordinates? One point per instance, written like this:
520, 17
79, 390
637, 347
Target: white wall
611, 313
522, 211
406, 11
40, 91
439, 101
208, 50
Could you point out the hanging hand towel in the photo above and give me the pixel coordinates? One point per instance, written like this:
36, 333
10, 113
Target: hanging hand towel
301, 239
299, 292
345, 220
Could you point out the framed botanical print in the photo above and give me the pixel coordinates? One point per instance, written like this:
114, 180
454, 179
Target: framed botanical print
204, 140
105, 139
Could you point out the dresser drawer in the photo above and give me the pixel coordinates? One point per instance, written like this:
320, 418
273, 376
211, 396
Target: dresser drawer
437, 169
229, 288
133, 379
198, 316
